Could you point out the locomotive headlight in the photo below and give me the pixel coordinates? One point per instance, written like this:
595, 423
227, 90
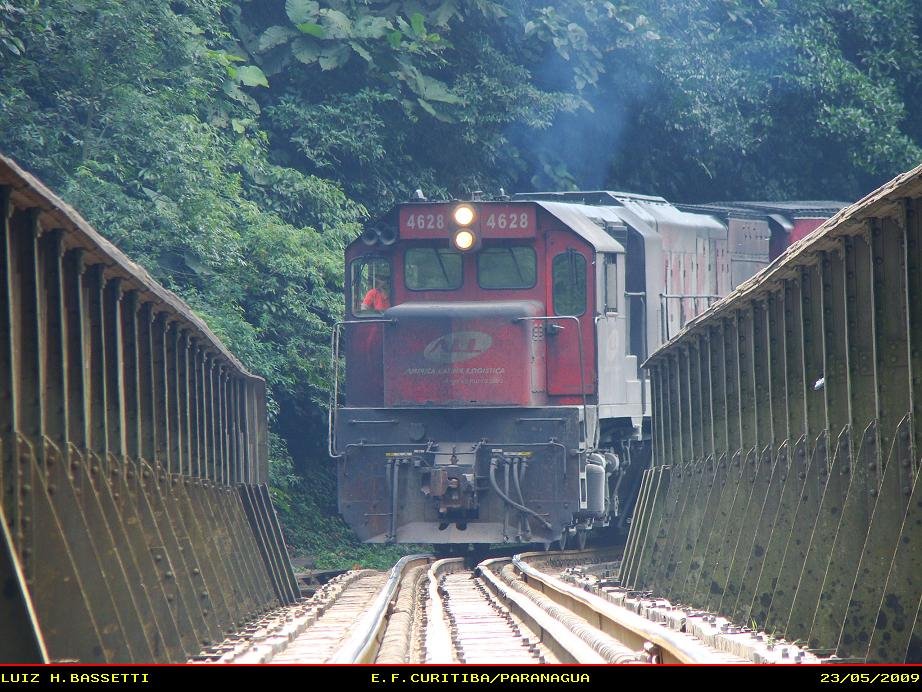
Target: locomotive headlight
464, 240
464, 215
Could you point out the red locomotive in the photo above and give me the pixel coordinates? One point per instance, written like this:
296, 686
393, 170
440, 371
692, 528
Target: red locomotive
492, 387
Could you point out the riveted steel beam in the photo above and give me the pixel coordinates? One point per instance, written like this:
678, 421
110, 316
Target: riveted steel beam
777, 368
819, 359
114, 398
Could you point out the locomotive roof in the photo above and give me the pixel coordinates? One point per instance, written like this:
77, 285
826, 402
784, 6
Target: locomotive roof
587, 222
808, 208
647, 214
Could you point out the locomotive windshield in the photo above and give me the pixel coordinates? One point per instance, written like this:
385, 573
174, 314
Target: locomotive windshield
507, 267
432, 269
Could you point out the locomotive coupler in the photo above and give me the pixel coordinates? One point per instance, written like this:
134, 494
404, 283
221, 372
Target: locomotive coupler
451, 481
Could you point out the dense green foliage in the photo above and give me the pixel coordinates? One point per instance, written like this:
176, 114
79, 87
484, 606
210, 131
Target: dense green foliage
235, 147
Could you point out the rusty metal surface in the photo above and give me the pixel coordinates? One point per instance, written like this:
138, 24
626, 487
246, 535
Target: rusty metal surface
816, 362
128, 437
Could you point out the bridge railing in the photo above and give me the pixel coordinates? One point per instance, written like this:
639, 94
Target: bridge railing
133, 453
787, 432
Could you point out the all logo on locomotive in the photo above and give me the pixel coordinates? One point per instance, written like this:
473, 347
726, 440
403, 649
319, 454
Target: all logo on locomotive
493, 389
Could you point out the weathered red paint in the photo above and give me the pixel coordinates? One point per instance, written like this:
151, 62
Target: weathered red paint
803, 227
491, 220
387, 363
464, 354
563, 345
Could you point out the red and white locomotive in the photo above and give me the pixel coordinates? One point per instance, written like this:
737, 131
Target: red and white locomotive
492, 389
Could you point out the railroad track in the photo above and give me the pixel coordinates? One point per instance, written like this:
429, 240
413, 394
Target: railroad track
541, 618
529, 609
344, 621
482, 629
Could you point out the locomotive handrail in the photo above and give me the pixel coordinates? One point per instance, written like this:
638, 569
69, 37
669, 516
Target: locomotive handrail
582, 375
664, 308
334, 367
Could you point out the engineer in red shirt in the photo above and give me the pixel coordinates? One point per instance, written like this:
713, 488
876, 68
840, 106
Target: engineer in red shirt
376, 299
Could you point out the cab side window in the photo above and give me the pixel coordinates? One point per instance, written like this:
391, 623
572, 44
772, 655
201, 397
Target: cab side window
370, 279
568, 274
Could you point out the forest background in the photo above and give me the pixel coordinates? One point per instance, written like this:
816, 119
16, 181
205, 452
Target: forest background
235, 148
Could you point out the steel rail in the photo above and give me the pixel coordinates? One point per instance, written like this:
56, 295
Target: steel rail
569, 641
362, 644
632, 629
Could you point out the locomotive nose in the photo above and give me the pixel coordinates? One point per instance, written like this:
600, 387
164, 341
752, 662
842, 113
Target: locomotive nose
464, 354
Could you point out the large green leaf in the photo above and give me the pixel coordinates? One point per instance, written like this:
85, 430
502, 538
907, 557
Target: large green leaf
432, 89
305, 50
336, 24
234, 91
369, 26
361, 51
332, 57
250, 75
418, 22
431, 110
300, 11
312, 29
275, 36
395, 38
444, 13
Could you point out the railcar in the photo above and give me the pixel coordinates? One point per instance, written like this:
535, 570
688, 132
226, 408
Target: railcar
492, 390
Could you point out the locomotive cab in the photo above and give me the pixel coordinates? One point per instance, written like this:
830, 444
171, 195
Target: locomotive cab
474, 346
